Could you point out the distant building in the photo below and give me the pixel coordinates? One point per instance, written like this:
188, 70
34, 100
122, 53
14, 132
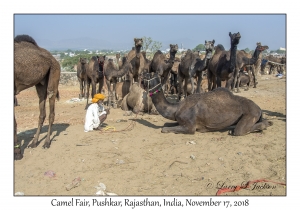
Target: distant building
283, 49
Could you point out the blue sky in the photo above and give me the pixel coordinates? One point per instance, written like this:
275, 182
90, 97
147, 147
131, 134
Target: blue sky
118, 31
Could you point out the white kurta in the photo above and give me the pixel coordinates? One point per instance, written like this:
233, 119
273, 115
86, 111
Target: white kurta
92, 117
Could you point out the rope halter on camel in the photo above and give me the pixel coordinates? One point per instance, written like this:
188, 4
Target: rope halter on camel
156, 91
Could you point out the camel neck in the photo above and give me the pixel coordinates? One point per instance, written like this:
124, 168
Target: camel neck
138, 49
164, 107
232, 57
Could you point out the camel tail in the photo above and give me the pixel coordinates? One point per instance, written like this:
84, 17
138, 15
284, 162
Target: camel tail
57, 95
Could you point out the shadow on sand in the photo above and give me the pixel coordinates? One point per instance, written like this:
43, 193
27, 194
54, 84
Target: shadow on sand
28, 135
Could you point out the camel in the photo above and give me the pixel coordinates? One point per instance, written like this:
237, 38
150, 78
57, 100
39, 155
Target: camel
122, 89
172, 84
137, 61
111, 74
211, 111
81, 75
94, 76
162, 65
242, 60
35, 66
244, 79
223, 64
119, 62
190, 66
273, 62
138, 100
147, 63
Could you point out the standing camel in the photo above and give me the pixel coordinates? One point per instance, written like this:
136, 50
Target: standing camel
137, 62
111, 74
94, 76
81, 75
191, 66
35, 66
227, 67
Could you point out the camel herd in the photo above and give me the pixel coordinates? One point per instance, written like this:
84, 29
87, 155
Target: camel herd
139, 84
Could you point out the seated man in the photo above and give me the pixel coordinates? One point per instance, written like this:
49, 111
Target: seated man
95, 114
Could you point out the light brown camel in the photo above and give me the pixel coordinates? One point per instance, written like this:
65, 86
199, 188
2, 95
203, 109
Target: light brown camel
211, 111
35, 66
137, 100
147, 63
82, 65
137, 61
112, 74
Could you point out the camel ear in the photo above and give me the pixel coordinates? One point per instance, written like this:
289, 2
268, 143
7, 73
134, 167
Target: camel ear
229, 33
205, 41
213, 41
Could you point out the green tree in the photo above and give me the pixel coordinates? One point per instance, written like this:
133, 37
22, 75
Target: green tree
147, 41
150, 44
200, 47
156, 46
247, 50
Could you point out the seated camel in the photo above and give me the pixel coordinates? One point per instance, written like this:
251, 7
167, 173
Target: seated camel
138, 100
211, 111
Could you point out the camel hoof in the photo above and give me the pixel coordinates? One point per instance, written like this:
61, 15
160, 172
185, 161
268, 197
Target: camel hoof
18, 156
46, 145
269, 123
32, 145
231, 132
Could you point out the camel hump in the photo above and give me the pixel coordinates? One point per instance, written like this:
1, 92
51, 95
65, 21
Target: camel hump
25, 38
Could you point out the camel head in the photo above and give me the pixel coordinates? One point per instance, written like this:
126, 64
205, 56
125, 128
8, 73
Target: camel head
151, 82
261, 48
173, 48
101, 59
234, 38
138, 42
209, 47
83, 60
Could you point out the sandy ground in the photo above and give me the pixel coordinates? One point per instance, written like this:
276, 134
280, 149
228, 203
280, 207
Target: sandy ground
144, 161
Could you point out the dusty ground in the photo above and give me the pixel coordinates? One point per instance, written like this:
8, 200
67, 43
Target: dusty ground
144, 161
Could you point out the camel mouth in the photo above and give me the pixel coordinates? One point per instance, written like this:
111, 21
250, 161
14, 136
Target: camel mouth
209, 55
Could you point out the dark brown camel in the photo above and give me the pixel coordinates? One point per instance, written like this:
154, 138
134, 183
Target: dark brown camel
137, 61
212, 67
82, 65
112, 74
35, 66
226, 65
94, 76
211, 111
163, 65
192, 66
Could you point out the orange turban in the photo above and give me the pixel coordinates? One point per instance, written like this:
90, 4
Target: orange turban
98, 97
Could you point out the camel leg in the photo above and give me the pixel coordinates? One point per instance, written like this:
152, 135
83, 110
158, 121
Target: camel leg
42, 94
246, 123
51, 120
81, 88
101, 82
87, 93
219, 82
180, 129
185, 87
93, 88
180, 87
17, 145
114, 94
109, 92
193, 86
198, 90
